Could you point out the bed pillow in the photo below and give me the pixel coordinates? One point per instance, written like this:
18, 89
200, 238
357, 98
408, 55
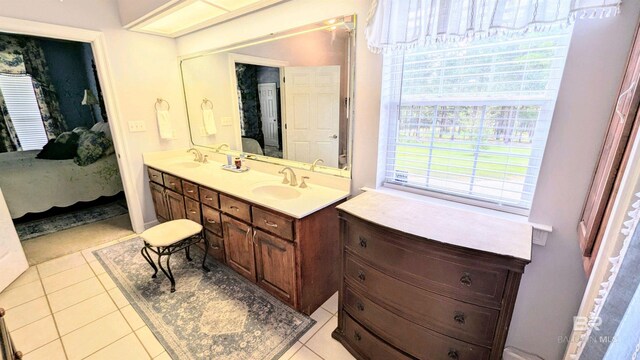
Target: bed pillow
91, 147
61, 148
102, 127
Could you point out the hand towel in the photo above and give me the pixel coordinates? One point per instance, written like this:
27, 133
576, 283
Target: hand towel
209, 122
164, 124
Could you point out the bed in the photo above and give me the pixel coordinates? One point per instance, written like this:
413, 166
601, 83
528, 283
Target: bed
33, 185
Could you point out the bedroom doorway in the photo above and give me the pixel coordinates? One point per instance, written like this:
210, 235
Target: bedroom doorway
60, 174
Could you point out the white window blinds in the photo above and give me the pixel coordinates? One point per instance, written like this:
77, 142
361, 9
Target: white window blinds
471, 119
24, 112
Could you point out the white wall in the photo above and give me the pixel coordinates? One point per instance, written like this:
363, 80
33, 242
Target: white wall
554, 282
143, 67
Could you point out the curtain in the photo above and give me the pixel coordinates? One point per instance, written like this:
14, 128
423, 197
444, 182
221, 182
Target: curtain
399, 25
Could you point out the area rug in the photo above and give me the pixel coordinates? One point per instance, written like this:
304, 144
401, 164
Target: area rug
31, 229
212, 315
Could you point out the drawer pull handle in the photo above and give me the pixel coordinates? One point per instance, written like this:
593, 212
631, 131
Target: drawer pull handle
453, 355
363, 242
360, 306
459, 318
466, 279
234, 208
192, 211
272, 224
210, 221
208, 198
154, 176
356, 336
190, 191
172, 183
361, 275
215, 247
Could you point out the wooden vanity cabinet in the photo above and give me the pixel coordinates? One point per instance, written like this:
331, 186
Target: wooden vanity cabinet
239, 247
275, 265
168, 204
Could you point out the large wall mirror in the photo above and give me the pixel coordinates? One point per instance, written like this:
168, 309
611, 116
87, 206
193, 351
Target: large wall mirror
285, 98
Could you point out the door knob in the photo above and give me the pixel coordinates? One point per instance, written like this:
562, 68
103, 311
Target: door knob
334, 136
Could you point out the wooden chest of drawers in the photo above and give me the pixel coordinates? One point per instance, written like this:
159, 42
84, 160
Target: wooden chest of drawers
403, 296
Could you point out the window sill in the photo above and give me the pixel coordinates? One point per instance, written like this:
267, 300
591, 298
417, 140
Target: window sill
540, 231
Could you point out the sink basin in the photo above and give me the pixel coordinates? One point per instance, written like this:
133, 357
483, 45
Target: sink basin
277, 192
186, 164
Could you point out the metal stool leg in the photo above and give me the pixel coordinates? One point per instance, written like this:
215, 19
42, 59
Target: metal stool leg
187, 251
145, 254
206, 251
167, 272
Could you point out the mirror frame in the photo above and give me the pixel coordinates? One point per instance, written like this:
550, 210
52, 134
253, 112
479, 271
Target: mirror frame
349, 21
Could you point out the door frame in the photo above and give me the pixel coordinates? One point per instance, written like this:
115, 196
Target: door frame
99, 49
260, 61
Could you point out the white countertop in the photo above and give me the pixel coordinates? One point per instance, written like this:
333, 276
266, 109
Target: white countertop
241, 185
443, 224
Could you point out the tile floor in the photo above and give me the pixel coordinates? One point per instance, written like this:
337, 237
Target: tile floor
69, 308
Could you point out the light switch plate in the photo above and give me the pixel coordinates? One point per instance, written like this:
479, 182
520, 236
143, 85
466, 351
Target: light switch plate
227, 121
137, 126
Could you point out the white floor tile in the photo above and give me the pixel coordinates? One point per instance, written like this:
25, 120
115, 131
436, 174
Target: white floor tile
50, 351
292, 350
163, 356
27, 313
81, 314
331, 305
321, 316
95, 336
21, 294
61, 264
74, 294
106, 281
129, 347
29, 276
118, 297
35, 335
97, 267
132, 317
324, 345
153, 346
67, 278
305, 354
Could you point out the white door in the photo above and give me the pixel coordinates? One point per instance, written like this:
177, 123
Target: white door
268, 96
12, 259
312, 113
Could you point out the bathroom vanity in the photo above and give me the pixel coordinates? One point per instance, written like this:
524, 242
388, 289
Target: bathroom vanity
427, 281
283, 238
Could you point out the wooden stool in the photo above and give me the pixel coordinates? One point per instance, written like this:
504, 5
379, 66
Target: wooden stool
171, 237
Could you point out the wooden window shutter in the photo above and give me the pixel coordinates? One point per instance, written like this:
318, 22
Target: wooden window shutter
623, 126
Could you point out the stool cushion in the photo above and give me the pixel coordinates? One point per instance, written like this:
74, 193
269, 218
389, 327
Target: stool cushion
171, 232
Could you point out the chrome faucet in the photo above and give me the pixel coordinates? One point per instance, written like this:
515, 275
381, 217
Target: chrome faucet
315, 163
294, 180
219, 147
197, 155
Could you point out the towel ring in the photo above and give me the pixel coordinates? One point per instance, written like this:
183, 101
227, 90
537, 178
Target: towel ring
204, 104
159, 103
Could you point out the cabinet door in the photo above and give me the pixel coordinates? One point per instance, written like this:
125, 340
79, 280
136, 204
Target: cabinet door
275, 265
193, 210
159, 202
238, 247
175, 204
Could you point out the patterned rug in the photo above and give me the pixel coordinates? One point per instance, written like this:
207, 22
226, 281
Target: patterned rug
35, 228
214, 315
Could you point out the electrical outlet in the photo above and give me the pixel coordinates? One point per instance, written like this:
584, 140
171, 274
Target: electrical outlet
227, 121
137, 126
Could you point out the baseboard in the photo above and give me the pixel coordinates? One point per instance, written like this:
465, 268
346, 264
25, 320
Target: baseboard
151, 224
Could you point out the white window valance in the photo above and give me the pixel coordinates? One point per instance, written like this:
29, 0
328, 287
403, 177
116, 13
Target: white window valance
403, 24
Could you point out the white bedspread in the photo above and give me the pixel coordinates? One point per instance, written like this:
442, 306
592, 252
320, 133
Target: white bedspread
36, 185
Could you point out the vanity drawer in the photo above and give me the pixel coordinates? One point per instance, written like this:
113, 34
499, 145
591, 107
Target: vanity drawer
172, 183
367, 344
236, 208
155, 176
416, 340
273, 223
209, 197
211, 220
424, 265
468, 322
190, 190
216, 246
193, 210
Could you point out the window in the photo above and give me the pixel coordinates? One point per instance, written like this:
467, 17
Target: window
23, 110
470, 120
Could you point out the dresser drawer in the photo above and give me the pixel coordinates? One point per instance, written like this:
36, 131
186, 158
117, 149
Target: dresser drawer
416, 340
216, 246
172, 183
468, 322
236, 208
190, 190
209, 197
428, 266
155, 176
211, 220
273, 223
193, 210
368, 344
